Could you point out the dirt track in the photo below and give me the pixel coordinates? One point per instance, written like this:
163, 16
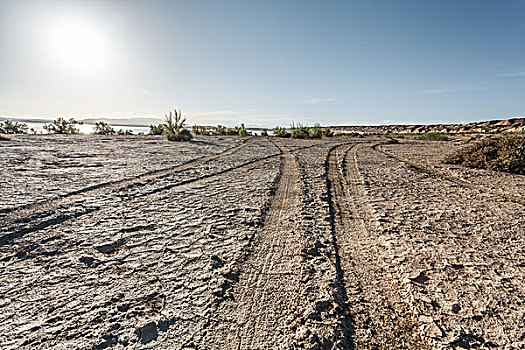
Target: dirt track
256, 243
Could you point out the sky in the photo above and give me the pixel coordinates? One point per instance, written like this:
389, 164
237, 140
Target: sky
264, 63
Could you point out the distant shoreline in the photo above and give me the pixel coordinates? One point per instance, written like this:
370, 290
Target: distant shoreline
495, 125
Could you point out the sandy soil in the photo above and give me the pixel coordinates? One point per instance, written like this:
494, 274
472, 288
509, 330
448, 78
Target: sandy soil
256, 243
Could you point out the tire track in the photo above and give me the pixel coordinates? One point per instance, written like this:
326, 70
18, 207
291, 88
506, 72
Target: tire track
108, 210
377, 316
263, 301
114, 186
63, 212
448, 176
165, 273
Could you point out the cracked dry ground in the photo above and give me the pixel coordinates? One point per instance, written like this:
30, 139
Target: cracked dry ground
256, 243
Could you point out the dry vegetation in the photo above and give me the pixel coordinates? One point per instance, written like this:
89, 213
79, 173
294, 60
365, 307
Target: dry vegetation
502, 153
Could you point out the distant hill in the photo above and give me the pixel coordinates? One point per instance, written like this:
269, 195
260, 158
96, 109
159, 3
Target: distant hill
491, 126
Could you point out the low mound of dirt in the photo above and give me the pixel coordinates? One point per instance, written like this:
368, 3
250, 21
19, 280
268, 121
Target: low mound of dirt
505, 153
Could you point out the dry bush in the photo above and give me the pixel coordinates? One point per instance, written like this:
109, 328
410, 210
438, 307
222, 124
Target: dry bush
504, 153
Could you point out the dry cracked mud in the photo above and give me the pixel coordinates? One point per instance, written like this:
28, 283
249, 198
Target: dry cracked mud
256, 243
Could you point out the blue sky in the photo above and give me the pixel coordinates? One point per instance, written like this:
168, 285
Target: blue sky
264, 63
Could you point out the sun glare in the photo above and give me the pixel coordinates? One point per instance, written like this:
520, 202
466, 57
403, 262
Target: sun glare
78, 46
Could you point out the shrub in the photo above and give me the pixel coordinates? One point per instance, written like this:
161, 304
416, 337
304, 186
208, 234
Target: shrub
63, 126
504, 153
102, 128
220, 130
264, 132
174, 129
125, 132
300, 131
156, 129
200, 130
242, 131
8, 127
433, 136
327, 132
316, 132
281, 132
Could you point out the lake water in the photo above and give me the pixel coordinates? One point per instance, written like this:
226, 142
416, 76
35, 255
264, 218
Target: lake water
88, 128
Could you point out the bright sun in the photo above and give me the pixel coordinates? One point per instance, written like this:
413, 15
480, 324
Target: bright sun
79, 46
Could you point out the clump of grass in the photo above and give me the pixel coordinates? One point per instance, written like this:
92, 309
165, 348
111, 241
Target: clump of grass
63, 126
505, 153
433, 136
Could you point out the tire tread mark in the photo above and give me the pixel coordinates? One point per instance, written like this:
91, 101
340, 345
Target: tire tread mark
352, 231
116, 185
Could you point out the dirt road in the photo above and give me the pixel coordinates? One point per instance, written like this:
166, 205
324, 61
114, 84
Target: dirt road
256, 243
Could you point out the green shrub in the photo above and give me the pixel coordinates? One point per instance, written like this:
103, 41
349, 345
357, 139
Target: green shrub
433, 136
281, 132
300, 131
183, 135
220, 130
316, 132
174, 128
102, 128
504, 153
63, 126
327, 132
200, 130
156, 129
8, 127
242, 131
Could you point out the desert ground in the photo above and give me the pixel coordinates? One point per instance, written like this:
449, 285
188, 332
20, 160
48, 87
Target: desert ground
256, 243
